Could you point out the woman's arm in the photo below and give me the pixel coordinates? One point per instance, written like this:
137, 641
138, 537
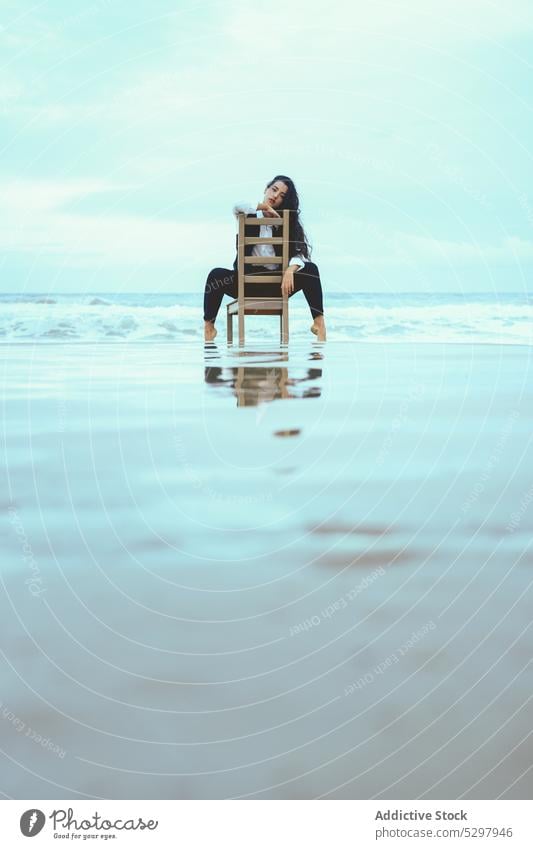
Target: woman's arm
244, 207
296, 262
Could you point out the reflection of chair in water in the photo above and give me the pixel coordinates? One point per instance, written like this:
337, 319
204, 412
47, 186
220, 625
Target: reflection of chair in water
255, 385
246, 303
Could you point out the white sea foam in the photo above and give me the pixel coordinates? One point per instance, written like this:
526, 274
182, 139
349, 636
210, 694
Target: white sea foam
402, 318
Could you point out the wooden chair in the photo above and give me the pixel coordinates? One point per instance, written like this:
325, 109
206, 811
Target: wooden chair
267, 305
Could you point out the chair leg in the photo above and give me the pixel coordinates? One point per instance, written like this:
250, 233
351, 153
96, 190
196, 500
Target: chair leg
241, 327
229, 321
285, 325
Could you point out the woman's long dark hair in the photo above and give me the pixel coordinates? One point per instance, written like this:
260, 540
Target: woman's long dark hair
298, 241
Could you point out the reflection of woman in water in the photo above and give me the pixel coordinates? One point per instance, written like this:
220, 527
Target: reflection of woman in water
301, 273
254, 385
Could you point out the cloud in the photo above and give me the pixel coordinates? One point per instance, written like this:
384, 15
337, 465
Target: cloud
212, 63
373, 245
283, 27
21, 196
10, 90
200, 109
33, 222
25, 31
506, 250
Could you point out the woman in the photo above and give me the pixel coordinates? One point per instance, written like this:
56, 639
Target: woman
302, 274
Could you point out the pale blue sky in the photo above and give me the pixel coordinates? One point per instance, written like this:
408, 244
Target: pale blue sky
129, 130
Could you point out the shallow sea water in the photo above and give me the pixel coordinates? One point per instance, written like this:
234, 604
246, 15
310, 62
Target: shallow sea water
264, 572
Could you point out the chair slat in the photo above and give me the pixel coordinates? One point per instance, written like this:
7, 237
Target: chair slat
262, 278
276, 305
277, 222
262, 260
256, 240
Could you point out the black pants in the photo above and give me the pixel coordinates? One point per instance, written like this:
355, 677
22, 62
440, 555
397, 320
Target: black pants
223, 281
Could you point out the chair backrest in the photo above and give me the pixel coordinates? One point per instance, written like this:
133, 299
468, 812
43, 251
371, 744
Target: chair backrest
281, 238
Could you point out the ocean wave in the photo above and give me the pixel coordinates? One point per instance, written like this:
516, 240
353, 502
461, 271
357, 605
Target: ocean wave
97, 318
98, 302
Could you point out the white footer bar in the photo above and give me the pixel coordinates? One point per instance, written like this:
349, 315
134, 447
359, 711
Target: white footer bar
268, 824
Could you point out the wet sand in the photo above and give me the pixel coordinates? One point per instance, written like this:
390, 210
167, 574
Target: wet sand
253, 573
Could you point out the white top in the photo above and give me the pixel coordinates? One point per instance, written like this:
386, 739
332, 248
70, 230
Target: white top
265, 231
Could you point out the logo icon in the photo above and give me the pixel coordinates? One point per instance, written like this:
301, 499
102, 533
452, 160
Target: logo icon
32, 822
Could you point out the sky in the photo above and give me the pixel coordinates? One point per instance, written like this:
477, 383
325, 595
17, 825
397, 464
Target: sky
129, 130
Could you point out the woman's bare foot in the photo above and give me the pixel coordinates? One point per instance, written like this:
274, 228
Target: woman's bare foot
210, 331
319, 328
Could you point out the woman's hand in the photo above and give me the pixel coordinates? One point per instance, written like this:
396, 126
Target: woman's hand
287, 284
268, 211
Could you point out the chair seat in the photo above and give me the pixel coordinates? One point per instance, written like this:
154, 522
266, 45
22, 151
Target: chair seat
258, 306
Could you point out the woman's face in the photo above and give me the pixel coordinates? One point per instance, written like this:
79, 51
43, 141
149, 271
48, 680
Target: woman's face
275, 193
